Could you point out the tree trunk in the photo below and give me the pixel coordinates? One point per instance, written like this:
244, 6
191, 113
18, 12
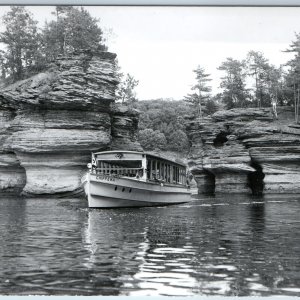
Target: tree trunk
274, 104
297, 106
260, 97
295, 101
19, 67
199, 105
256, 88
200, 109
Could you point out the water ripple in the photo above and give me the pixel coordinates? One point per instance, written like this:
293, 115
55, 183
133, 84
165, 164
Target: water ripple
235, 246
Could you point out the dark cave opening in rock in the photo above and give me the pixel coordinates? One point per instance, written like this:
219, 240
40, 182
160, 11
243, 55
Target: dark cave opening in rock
220, 139
256, 179
209, 183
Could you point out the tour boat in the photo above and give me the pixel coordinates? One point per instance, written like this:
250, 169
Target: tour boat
130, 178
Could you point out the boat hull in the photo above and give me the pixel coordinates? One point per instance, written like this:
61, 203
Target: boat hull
107, 192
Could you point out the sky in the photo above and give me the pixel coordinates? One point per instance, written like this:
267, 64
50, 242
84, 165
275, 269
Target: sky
161, 46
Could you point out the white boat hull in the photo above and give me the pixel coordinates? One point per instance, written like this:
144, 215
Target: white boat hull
107, 192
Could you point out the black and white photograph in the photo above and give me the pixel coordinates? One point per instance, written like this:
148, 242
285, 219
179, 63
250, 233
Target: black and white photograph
149, 150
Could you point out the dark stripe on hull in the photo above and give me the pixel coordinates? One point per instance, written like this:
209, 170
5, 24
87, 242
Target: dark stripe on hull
106, 202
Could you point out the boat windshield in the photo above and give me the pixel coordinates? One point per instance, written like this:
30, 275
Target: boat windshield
129, 168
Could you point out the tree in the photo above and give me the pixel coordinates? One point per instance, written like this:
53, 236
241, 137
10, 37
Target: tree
126, 91
233, 83
275, 86
22, 41
293, 86
151, 140
74, 28
293, 76
178, 141
167, 117
259, 68
2, 65
201, 89
210, 106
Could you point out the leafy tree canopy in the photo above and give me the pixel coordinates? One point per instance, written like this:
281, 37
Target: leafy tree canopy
233, 83
152, 139
22, 43
293, 76
165, 116
28, 49
74, 28
126, 90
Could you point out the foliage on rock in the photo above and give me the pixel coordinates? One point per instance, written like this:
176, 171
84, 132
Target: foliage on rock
126, 93
28, 49
201, 91
23, 44
164, 117
73, 29
152, 139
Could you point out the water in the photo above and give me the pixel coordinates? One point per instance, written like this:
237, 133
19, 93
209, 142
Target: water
211, 246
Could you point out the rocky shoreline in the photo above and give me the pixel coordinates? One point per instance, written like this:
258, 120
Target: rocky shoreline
52, 121
245, 151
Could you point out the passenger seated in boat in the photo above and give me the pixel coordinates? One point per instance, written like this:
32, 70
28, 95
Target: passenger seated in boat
155, 178
139, 174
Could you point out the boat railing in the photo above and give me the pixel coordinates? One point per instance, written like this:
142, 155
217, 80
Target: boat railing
130, 172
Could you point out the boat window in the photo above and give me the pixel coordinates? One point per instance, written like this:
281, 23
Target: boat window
130, 168
151, 170
158, 171
164, 171
169, 173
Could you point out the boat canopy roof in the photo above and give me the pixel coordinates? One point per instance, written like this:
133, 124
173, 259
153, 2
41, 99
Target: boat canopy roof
132, 155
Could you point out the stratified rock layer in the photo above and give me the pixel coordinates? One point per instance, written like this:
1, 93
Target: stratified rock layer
12, 175
244, 151
60, 116
124, 129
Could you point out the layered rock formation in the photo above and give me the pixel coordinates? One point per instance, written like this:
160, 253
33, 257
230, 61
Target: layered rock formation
58, 117
12, 175
245, 151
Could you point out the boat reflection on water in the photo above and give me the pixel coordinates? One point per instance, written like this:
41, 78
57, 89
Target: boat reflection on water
164, 270
111, 248
148, 251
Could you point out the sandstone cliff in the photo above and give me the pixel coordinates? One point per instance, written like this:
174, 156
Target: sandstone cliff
52, 121
245, 151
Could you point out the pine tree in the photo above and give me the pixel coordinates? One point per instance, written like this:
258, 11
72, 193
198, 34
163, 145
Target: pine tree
22, 41
233, 83
201, 89
258, 67
74, 28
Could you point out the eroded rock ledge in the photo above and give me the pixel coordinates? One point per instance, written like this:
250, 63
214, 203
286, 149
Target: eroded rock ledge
245, 151
52, 121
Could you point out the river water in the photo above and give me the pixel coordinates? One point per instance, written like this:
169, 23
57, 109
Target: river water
232, 245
